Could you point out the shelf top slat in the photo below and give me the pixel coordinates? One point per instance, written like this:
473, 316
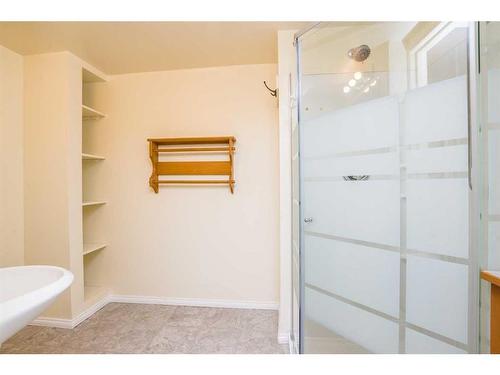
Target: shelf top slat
491, 276
192, 141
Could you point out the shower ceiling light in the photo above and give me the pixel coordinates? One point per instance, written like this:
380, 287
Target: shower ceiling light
352, 83
358, 75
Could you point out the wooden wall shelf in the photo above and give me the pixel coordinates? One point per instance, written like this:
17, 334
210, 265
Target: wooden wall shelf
191, 168
493, 277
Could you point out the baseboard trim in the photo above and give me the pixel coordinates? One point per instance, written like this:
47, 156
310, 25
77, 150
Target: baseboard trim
195, 302
283, 337
291, 349
84, 315
52, 322
71, 323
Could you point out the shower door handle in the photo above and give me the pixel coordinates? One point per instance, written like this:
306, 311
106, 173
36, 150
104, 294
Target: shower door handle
308, 220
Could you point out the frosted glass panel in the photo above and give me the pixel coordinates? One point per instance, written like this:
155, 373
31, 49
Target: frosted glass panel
494, 95
436, 296
438, 159
364, 126
436, 112
372, 332
494, 171
377, 164
384, 195
438, 216
418, 343
354, 209
494, 245
362, 274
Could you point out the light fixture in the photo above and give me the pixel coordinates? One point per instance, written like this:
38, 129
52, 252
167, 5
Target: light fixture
358, 75
373, 83
352, 83
346, 89
366, 90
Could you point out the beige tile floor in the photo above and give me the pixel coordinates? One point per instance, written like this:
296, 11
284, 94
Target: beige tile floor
320, 340
136, 328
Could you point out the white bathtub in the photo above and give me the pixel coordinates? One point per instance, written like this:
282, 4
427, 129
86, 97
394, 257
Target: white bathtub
25, 292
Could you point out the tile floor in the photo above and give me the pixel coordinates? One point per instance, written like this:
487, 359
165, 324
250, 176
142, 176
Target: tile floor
320, 340
137, 328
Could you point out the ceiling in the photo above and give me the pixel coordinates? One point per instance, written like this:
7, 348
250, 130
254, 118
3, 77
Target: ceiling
130, 47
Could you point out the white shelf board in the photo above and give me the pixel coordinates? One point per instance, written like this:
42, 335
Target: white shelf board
92, 203
91, 247
92, 157
92, 75
89, 113
93, 294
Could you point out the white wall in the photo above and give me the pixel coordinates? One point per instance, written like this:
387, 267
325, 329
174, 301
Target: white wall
11, 159
196, 242
287, 77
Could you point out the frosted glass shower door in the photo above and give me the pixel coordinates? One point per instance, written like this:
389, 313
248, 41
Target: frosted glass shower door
384, 193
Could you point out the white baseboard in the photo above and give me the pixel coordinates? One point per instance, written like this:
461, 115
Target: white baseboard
197, 302
283, 337
291, 349
71, 323
230, 304
52, 322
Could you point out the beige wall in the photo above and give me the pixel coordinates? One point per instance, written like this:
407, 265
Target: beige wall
11, 159
52, 169
185, 242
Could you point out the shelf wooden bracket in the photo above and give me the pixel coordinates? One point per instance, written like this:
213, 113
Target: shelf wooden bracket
191, 168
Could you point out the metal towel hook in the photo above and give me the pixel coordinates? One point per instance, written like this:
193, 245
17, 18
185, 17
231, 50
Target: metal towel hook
273, 92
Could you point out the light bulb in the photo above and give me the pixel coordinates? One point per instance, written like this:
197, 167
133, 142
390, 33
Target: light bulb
366, 90
358, 75
346, 89
352, 83
373, 83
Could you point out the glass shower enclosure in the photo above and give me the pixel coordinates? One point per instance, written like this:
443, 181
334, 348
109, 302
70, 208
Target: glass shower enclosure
385, 189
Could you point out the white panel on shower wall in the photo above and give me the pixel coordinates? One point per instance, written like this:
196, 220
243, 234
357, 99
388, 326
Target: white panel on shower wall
437, 296
362, 274
436, 112
493, 96
437, 216
363, 210
364, 126
372, 332
494, 245
418, 343
439, 159
494, 171
375, 164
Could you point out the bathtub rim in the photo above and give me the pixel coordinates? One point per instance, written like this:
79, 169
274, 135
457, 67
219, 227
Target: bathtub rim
23, 303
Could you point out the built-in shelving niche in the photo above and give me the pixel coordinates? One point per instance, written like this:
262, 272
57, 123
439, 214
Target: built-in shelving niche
93, 243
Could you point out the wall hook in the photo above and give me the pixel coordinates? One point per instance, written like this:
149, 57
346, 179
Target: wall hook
273, 92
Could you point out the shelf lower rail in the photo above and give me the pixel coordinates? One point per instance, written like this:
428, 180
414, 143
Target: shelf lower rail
195, 182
